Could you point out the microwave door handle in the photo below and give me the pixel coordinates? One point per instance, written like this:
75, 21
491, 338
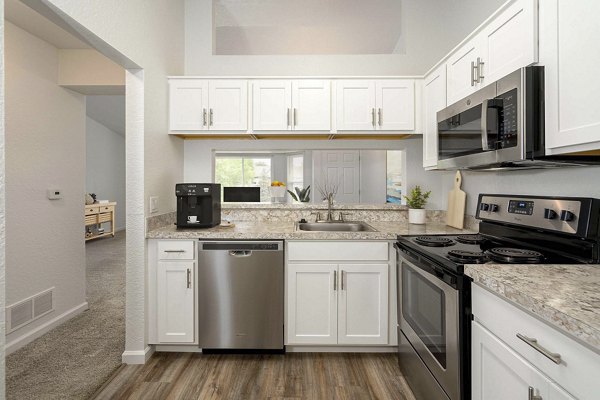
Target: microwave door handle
484, 135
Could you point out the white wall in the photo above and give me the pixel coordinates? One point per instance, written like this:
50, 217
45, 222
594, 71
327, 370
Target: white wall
576, 182
105, 166
45, 147
198, 158
149, 33
428, 26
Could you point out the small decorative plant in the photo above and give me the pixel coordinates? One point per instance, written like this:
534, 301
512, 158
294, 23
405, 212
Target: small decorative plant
301, 195
417, 198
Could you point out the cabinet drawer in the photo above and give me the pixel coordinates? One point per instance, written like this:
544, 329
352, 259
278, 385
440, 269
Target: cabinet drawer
176, 250
338, 251
91, 219
92, 210
107, 209
105, 217
578, 367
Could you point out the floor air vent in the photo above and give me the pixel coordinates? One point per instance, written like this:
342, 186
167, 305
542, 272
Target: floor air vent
30, 309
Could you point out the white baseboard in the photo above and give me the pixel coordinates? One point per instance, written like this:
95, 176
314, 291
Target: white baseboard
137, 356
341, 349
30, 336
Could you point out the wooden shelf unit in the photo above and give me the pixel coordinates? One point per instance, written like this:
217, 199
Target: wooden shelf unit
96, 214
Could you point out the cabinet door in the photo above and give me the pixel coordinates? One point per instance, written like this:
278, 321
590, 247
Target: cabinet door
175, 302
312, 304
509, 42
498, 373
460, 72
434, 95
188, 105
311, 102
355, 105
228, 101
569, 32
272, 105
555, 392
363, 304
395, 101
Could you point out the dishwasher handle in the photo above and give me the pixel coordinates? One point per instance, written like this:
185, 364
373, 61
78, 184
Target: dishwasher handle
240, 247
240, 253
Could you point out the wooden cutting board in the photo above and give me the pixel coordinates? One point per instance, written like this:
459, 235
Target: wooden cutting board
457, 200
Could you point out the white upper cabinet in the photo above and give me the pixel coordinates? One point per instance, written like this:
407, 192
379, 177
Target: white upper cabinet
507, 43
228, 101
368, 105
462, 71
201, 104
569, 32
434, 98
272, 105
311, 103
395, 101
356, 105
284, 105
188, 105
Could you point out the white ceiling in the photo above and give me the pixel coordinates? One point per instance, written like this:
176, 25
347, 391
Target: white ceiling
286, 27
29, 20
107, 110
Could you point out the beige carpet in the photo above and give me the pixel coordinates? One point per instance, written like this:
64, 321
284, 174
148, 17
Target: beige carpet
75, 359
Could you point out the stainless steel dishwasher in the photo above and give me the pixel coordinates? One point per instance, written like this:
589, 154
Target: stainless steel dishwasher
240, 295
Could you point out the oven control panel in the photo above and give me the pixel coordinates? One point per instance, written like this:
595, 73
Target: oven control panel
555, 214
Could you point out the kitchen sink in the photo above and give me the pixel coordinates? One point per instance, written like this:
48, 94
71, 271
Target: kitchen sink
335, 226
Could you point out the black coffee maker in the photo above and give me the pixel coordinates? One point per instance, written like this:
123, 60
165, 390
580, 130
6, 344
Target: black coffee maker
198, 205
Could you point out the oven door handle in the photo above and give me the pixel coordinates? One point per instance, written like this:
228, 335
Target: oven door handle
435, 278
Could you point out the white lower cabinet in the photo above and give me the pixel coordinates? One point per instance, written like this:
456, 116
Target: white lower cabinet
342, 300
499, 373
513, 351
172, 292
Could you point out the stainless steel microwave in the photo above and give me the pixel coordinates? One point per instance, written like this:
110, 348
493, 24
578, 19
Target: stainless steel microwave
500, 126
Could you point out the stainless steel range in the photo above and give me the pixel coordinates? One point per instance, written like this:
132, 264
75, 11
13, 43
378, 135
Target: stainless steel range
434, 299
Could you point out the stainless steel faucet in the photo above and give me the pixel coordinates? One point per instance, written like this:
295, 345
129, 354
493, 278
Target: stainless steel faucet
330, 207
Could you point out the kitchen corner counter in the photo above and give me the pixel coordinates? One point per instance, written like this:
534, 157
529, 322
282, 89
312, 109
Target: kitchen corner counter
566, 296
260, 230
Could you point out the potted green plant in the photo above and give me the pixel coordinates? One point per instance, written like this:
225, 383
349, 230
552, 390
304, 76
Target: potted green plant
416, 201
301, 195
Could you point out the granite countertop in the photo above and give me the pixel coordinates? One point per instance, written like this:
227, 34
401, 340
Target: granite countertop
566, 296
312, 206
386, 230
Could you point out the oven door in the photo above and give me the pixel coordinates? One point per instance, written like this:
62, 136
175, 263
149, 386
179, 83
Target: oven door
483, 129
428, 317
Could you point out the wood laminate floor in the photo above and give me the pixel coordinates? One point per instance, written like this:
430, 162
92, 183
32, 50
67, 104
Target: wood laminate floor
352, 376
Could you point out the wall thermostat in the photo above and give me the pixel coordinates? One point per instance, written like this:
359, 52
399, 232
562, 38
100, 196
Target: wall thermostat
54, 194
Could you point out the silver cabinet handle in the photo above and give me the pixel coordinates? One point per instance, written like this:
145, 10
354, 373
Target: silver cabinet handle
210, 117
189, 278
532, 396
480, 64
342, 280
204, 117
380, 116
472, 73
334, 280
373, 117
295, 117
288, 117
554, 357
174, 251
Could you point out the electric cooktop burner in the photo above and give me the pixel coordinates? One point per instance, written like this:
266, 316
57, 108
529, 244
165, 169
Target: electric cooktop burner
515, 256
470, 239
467, 257
434, 241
